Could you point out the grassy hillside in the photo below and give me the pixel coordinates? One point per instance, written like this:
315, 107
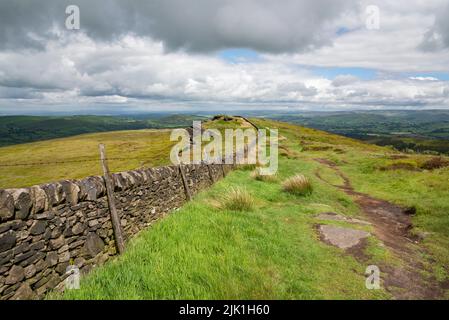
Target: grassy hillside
205, 252
273, 251
379, 172
78, 156
418, 130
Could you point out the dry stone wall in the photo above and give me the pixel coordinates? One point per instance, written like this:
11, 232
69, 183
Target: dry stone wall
46, 228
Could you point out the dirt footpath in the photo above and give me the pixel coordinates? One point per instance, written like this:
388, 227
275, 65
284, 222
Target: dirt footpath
392, 225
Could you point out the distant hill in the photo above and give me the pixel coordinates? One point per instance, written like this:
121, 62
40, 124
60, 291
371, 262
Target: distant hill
424, 131
22, 129
418, 130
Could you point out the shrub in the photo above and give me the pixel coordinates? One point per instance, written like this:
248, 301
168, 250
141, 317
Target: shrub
298, 185
222, 117
260, 177
238, 199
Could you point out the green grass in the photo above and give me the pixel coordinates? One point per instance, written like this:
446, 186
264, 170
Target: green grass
238, 199
330, 176
272, 251
137, 148
427, 191
205, 252
298, 185
361, 162
257, 175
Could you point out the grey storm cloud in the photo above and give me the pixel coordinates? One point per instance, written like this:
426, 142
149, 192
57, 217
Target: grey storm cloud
199, 25
117, 56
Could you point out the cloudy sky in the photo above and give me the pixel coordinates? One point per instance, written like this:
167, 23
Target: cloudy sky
223, 54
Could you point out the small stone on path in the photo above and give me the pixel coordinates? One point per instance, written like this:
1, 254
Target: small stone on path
343, 238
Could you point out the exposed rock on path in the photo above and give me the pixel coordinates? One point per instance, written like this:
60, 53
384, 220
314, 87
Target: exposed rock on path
392, 225
343, 238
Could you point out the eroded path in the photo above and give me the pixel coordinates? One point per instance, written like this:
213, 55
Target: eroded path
392, 225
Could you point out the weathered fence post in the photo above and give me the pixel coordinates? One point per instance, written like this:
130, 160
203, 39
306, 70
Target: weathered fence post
115, 220
184, 182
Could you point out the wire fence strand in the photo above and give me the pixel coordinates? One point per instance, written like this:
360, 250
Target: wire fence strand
41, 163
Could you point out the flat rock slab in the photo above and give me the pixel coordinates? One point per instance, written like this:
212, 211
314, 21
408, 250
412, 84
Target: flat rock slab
337, 217
343, 238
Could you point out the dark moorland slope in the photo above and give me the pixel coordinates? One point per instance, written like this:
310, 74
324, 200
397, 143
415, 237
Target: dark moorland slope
22, 129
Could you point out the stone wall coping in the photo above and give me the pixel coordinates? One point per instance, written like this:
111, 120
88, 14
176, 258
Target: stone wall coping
24, 203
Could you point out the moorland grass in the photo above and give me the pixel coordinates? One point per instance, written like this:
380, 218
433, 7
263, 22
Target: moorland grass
298, 185
78, 156
362, 163
208, 252
257, 175
205, 251
238, 199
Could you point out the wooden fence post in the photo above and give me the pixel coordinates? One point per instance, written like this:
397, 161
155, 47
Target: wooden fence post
115, 220
184, 182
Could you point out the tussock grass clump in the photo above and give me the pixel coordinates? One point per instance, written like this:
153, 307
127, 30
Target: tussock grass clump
260, 177
299, 185
435, 163
238, 199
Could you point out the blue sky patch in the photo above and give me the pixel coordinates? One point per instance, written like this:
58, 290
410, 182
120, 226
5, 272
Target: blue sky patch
239, 55
332, 72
